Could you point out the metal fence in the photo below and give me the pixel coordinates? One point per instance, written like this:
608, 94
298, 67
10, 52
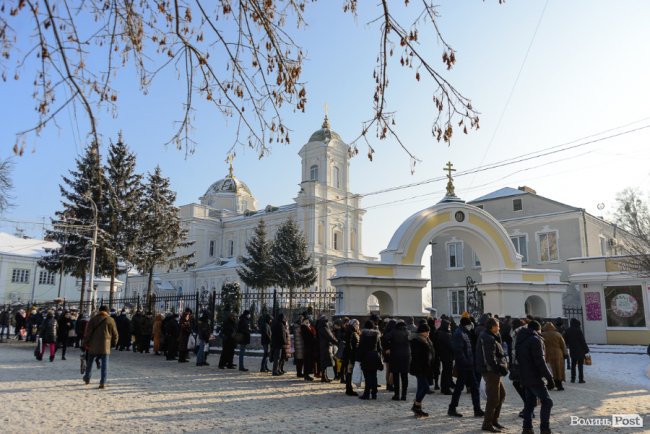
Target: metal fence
272, 302
574, 312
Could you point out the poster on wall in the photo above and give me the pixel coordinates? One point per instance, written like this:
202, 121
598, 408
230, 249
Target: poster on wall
592, 304
624, 305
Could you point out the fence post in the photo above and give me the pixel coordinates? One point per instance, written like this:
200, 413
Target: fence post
275, 303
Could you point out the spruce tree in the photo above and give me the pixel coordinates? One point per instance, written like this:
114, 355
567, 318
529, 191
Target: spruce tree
230, 298
256, 270
292, 267
123, 194
73, 226
161, 236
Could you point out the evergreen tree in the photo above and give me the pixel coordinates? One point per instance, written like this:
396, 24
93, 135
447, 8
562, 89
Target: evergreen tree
256, 270
73, 226
230, 298
123, 194
292, 267
161, 234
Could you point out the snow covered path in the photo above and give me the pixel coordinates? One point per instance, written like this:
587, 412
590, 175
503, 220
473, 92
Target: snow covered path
148, 394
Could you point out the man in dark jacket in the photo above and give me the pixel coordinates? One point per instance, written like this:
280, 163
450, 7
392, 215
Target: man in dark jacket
464, 358
531, 358
137, 325
243, 336
492, 364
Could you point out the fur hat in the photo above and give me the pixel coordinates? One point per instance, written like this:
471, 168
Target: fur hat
423, 328
465, 321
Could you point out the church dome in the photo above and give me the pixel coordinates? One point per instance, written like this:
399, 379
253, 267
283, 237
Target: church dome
229, 184
325, 134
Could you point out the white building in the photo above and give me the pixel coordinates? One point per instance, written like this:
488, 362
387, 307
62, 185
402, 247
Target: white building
227, 215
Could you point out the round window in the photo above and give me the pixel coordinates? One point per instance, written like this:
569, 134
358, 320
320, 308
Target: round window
460, 216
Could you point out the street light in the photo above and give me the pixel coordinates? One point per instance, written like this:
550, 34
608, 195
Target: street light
93, 248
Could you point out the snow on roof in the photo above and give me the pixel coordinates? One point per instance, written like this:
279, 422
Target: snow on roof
31, 247
503, 192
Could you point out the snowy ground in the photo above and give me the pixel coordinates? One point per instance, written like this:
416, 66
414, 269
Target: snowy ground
148, 394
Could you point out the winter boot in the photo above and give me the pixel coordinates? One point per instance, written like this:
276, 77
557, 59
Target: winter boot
452, 412
558, 385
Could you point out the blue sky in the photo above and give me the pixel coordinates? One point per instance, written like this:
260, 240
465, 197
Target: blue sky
584, 71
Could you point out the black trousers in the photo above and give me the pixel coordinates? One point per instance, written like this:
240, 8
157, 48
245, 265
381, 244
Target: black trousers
580, 363
227, 353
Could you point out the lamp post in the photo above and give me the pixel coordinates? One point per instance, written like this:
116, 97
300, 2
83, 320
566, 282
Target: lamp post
93, 249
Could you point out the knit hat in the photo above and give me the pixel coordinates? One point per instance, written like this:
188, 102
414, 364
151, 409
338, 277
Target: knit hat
423, 328
353, 323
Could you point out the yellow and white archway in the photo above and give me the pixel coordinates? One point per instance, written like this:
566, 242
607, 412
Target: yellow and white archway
507, 287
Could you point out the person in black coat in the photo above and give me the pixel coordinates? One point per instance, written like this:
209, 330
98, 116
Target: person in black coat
464, 359
265, 339
575, 341
123, 324
399, 350
172, 332
204, 330
243, 336
351, 346
65, 325
310, 348
422, 356
369, 355
531, 357
49, 331
445, 353
228, 330
278, 341
325, 340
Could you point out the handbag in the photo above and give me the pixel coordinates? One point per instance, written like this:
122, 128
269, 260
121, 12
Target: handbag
588, 359
357, 375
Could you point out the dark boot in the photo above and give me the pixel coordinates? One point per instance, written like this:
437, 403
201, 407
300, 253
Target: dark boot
452, 412
348, 387
404, 387
558, 385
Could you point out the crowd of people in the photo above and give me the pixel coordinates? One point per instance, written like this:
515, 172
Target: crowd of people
441, 354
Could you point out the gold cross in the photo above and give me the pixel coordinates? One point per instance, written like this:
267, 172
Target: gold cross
449, 169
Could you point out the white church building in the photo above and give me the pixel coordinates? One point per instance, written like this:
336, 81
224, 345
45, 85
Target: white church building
227, 214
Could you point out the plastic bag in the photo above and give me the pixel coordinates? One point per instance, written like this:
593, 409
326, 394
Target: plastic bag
357, 375
191, 342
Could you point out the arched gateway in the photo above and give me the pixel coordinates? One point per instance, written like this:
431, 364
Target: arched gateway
507, 288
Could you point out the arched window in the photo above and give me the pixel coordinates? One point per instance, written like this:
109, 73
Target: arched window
336, 181
313, 173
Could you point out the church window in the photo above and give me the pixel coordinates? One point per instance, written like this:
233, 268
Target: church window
337, 180
547, 242
455, 255
231, 248
211, 248
476, 261
516, 205
313, 173
337, 240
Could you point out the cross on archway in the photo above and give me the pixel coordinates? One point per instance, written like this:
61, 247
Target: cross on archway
450, 183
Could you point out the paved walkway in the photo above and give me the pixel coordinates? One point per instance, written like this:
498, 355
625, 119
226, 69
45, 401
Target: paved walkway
148, 394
